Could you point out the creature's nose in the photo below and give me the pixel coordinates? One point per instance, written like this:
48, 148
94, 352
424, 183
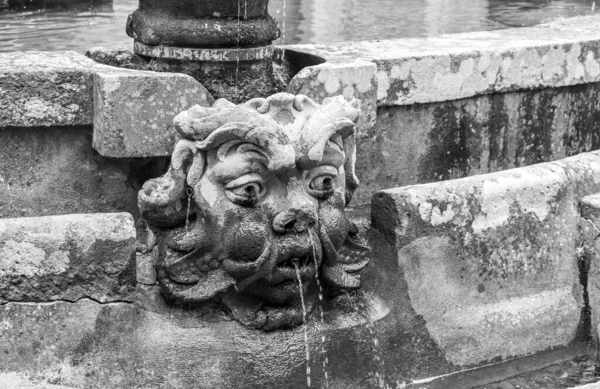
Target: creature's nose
294, 220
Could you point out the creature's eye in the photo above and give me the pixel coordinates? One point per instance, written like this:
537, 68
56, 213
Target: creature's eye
245, 191
321, 186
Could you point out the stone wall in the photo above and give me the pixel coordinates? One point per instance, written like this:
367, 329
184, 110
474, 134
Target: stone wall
422, 143
432, 108
54, 171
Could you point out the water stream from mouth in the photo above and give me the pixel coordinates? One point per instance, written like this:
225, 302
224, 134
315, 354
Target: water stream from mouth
304, 324
190, 195
323, 350
360, 309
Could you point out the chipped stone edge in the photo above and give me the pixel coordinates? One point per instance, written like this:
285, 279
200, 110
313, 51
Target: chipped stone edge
406, 71
456, 66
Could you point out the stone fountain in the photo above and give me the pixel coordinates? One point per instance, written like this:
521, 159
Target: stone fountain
152, 237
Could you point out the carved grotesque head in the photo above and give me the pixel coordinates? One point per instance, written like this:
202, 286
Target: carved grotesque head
252, 207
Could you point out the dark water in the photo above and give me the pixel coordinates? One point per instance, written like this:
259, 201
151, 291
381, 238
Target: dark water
93, 23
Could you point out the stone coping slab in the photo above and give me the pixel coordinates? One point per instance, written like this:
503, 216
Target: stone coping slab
57, 88
67, 257
40, 88
456, 66
132, 110
491, 261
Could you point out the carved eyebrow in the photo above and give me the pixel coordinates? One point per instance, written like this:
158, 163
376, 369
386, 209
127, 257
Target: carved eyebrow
223, 149
242, 148
252, 148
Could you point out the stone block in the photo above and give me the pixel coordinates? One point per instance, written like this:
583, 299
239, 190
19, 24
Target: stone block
589, 255
355, 80
134, 110
40, 89
455, 66
490, 261
121, 345
67, 258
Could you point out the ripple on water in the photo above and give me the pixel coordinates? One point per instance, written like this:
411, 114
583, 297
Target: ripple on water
81, 25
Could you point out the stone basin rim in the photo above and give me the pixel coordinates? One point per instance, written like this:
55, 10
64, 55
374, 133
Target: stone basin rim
204, 54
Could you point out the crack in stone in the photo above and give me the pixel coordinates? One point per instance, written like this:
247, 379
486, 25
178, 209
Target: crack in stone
85, 298
593, 225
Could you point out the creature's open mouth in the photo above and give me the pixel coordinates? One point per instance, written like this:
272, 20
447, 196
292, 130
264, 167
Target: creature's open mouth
286, 269
294, 262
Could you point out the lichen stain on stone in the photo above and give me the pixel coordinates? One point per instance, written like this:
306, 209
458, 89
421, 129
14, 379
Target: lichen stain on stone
449, 154
584, 132
501, 194
453, 76
29, 260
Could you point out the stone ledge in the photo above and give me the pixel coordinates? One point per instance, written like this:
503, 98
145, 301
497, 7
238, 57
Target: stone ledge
490, 260
456, 66
39, 88
48, 89
67, 257
134, 110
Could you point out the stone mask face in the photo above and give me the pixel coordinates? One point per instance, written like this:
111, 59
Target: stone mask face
254, 199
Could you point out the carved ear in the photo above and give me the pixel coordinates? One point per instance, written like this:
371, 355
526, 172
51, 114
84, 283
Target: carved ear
161, 200
352, 181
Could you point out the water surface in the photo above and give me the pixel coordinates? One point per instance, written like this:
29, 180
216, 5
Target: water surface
92, 23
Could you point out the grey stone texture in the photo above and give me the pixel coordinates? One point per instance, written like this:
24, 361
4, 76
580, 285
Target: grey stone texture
120, 345
39, 88
588, 252
18, 381
355, 80
145, 263
456, 66
67, 257
134, 110
490, 262
55, 171
49, 89
422, 143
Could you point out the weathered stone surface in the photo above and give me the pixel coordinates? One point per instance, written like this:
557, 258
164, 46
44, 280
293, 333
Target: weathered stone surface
432, 142
55, 171
356, 80
588, 252
449, 67
49, 89
236, 81
39, 88
490, 261
145, 262
67, 258
18, 381
120, 345
134, 110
